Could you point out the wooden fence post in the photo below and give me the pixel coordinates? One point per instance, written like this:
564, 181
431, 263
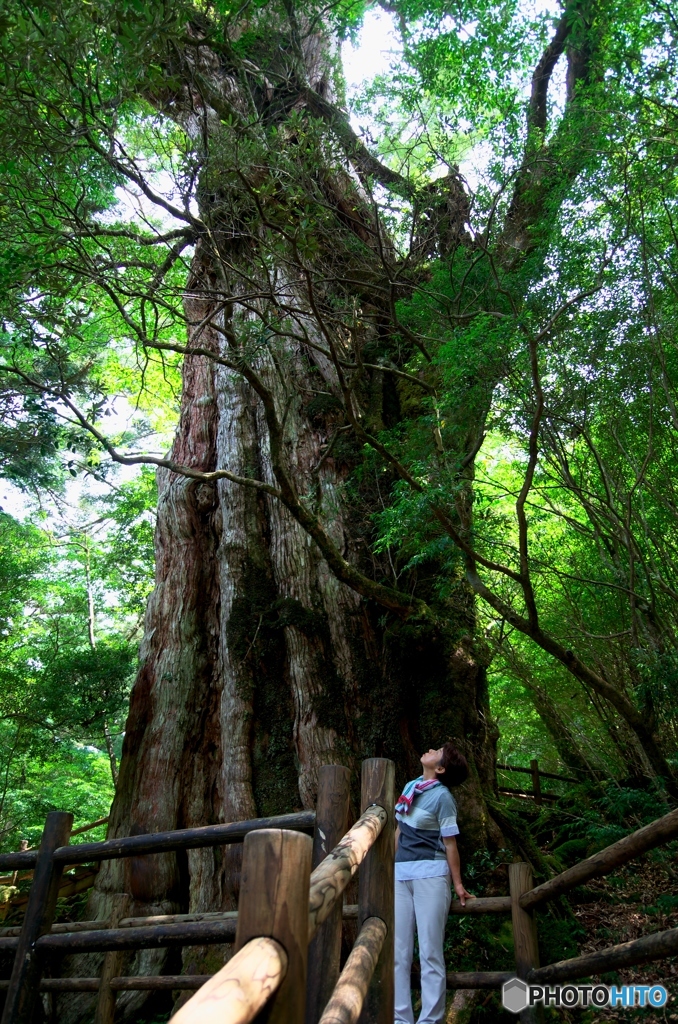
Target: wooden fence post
273, 903
331, 824
24, 985
376, 889
105, 1008
524, 933
536, 783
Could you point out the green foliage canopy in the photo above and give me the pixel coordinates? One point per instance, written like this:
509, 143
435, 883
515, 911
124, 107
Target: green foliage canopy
520, 323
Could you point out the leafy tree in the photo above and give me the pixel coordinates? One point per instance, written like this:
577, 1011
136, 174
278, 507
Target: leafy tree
70, 608
424, 421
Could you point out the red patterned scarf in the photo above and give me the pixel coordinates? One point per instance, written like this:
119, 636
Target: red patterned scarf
410, 791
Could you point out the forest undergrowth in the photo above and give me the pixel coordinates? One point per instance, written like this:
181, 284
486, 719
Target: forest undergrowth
636, 900
640, 898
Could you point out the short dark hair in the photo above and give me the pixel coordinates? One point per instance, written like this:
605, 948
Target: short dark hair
455, 765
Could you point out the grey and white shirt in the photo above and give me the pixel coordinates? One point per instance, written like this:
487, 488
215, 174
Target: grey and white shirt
421, 851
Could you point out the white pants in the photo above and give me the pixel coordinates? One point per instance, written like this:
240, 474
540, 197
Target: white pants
426, 901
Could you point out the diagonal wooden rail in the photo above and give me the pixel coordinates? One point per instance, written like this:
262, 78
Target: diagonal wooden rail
331, 877
626, 954
657, 833
242, 988
347, 1000
269, 907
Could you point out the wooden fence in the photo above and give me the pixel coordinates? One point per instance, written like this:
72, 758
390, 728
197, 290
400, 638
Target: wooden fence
289, 916
536, 774
287, 929
525, 898
70, 885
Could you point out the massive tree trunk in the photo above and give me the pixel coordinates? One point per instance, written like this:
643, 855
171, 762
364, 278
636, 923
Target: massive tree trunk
258, 665
275, 640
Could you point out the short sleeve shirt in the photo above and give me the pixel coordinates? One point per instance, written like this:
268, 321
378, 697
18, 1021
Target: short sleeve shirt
421, 851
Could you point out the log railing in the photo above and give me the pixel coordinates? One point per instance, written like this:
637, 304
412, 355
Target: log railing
23, 846
283, 906
334, 873
282, 899
288, 924
37, 940
658, 832
346, 1002
159, 842
536, 793
525, 899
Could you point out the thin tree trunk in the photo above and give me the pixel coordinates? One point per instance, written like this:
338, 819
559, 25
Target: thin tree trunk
111, 753
91, 631
563, 738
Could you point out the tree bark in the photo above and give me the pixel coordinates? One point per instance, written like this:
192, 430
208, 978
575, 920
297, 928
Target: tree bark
258, 665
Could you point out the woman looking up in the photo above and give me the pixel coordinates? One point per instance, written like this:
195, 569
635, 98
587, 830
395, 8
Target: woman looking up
426, 857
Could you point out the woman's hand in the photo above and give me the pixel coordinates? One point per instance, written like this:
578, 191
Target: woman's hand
455, 869
462, 894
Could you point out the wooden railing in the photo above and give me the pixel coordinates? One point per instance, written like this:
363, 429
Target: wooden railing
287, 929
536, 793
284, 906
525, 898
37, 940
288, 916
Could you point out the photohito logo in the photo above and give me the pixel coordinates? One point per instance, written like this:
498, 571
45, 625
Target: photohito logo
517, 995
